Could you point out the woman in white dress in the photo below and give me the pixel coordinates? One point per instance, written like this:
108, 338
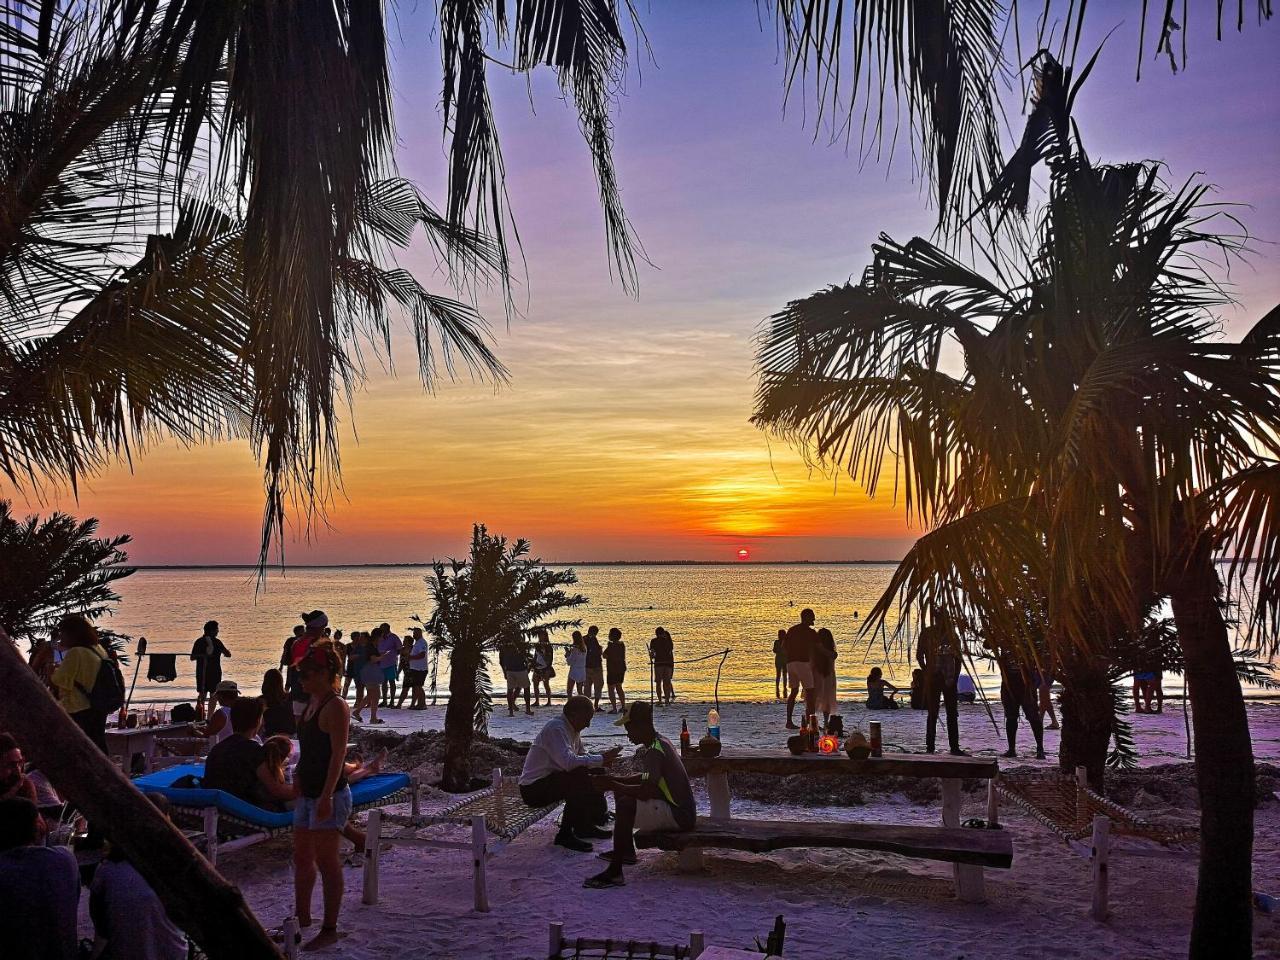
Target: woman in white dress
576, 655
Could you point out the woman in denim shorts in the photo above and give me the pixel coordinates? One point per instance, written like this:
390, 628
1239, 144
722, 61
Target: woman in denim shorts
324, 799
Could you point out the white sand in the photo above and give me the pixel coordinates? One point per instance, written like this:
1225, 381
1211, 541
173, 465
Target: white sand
836, 903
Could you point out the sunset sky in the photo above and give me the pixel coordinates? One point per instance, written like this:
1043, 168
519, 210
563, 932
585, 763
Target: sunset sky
623, 433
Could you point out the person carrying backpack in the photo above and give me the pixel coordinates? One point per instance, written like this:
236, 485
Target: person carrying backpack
88, 680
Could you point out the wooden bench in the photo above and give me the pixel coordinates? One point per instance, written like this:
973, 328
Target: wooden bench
984, 848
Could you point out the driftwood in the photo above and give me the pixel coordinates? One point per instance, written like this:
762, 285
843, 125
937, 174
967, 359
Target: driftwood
987, 848
197, 898
781, 763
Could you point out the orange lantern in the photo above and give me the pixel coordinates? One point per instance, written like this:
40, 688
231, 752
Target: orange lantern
828, 744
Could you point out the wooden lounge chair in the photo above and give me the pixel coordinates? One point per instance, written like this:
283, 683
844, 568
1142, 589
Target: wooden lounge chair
1074, 812
228, 823
498, 811
586, 948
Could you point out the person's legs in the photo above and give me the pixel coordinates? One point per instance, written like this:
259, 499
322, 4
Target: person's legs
613, 695
304, 874
791, 702
624, 842
1046, 704
527, 709
328, 862
1158, 684
1137, 695
932, 693
953, 717
1009, 701
511, 699
1032, 712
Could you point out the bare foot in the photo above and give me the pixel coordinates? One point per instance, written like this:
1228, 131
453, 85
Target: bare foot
379, 758
327, 937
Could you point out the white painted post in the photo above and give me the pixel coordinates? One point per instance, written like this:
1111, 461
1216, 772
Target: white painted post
993, 804
210, 818
970, 885
718, 794
696, 944
290, 934
1098, 861
556, 940
497, 798
372, 854
479, 858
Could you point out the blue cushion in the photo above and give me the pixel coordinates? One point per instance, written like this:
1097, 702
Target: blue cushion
369, 790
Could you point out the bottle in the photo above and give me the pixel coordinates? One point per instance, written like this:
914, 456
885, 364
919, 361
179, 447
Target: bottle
713, 723
876, 743
684, 736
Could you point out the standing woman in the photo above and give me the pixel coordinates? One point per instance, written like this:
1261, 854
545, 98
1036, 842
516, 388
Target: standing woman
543, 667
207, 652
822, 660
576, 655
324, 799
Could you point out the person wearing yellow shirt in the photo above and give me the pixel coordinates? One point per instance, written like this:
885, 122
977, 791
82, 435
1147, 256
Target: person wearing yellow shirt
76, 675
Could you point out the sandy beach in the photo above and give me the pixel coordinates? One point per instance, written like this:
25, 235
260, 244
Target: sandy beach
837, 904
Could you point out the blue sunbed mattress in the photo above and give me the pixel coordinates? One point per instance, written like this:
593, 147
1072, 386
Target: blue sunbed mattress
369, 790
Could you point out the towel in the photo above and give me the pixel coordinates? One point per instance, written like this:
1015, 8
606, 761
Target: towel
163, 667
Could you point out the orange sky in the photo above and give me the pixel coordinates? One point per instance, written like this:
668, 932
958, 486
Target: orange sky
624, 433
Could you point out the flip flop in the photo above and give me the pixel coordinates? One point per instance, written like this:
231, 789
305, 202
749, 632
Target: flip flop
607, 857
601, 882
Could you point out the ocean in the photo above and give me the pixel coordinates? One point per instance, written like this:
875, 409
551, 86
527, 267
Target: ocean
708, 609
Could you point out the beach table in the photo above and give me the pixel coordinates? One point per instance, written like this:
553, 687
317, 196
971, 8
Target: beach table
128, 742
951, 771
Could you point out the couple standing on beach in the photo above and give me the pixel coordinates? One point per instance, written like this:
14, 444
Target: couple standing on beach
810, 658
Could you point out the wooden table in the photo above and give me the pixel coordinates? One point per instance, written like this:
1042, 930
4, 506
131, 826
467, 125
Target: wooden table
951, 771
128, 742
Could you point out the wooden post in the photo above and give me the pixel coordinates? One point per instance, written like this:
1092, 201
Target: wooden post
413, 798
993, 804
719, 795
690, 860
970, 885
1098, 863
497, 798
211, 910
289, 934
555, 941
210, 817
479, 858
1082, 801
372, 854
696, 944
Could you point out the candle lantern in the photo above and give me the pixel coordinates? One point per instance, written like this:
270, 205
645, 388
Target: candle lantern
828, 744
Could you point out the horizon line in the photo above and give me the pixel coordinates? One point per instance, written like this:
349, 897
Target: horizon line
550, 563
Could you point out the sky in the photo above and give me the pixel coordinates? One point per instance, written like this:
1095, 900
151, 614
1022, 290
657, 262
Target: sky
623, 433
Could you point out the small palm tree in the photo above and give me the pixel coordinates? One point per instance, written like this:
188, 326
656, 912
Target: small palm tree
55, 566
498, 593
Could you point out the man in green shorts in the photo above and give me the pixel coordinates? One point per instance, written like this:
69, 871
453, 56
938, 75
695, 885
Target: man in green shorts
660, 798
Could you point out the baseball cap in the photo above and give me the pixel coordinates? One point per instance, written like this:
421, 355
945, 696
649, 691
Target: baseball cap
316, 618
641, 710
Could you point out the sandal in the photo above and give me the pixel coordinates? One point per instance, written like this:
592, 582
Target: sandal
603, 882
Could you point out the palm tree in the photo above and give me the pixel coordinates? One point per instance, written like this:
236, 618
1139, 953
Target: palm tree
1102, 448
55, 566
497, 594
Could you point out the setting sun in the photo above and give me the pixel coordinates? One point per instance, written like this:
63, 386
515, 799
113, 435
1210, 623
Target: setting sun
744, 554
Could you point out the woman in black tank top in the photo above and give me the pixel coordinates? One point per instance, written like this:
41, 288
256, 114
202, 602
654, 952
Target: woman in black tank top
324, 800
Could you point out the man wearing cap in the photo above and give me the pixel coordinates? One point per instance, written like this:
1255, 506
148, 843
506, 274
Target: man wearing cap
297, 647
660, 798
218, 728
556, 769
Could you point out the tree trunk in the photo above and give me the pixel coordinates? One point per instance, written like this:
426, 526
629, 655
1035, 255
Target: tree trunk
1223, 924
1086, 720
459, 723
196, 897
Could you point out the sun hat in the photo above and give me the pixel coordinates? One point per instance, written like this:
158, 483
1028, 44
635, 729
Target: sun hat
316, 619
227, 686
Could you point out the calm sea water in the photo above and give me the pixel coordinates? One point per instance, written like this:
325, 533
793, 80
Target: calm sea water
707, 609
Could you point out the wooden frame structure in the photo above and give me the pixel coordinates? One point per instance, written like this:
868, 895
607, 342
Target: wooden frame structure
498, 811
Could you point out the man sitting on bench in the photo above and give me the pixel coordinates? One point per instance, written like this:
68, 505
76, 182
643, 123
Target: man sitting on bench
556, 769
660, 798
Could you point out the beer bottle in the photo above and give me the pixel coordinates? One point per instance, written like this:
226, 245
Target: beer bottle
684, 736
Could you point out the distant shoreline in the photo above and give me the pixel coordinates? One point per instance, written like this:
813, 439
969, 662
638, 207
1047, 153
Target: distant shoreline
549, 563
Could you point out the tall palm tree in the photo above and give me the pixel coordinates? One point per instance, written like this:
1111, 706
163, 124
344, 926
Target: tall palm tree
1101, 448
497, 594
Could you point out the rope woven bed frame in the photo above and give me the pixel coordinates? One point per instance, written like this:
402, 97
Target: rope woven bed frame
1067, 807
498, 810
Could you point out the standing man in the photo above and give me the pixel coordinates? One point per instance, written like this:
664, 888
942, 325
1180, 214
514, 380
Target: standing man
937, 652
595, 667
662, 651
416, 674
1018, 695
615, 661
207, 652
556, 769
779, 665
659, 798
513, 657
798, 645
287, 661
389, 660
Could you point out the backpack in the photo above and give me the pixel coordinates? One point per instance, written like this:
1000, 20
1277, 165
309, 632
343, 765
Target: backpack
107, 694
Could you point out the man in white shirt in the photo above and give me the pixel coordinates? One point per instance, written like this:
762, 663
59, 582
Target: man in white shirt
416, 678
557, 769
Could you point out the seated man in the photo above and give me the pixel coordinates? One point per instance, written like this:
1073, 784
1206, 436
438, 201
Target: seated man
39, 887
237, 764
556, 769
660, 798
14, 781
